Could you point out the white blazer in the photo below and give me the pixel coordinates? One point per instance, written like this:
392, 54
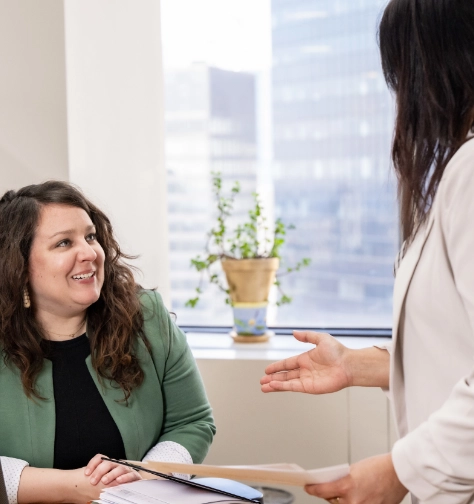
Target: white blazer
432, 357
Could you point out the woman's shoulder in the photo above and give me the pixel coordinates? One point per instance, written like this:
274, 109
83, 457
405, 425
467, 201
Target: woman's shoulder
151, 300
157, 325
155, 314
458, 177
462, 163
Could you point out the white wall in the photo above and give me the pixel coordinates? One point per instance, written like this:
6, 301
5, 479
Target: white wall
116, 123
33, 131
81, 99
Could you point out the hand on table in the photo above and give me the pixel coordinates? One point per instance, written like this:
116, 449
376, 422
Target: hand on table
75, 486
318, 371
371, 481
109, 473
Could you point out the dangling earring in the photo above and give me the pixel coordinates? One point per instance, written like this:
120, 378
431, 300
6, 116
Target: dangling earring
26, 298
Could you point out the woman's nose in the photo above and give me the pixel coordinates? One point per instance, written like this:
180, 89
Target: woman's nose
86, 252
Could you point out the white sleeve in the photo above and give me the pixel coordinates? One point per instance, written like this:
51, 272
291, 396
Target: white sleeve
435, 461
387, 348
12, 469
169, 451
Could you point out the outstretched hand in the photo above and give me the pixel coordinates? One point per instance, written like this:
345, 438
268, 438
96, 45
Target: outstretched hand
321, 370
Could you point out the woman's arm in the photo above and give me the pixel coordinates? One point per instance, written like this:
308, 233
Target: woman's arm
188, 419
169, 451
54, 485
328, 367
187, 416
369, 367
78, 485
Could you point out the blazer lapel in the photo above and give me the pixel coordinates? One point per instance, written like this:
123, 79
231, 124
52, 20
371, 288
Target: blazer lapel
404, 275
405, 272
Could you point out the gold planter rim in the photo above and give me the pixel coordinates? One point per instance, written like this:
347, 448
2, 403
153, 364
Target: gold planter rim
250, 280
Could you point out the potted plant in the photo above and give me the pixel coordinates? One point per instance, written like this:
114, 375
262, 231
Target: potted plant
250, 258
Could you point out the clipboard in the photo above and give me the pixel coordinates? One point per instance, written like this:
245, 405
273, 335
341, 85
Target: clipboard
193, 483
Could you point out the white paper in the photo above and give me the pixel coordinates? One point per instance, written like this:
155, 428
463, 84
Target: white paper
161, 492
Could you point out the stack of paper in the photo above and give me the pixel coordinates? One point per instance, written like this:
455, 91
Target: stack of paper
162, 492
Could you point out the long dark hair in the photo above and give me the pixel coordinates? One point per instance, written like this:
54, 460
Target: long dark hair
427, 51
114, 321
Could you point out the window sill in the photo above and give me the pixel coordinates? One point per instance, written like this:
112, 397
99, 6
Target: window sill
222, 346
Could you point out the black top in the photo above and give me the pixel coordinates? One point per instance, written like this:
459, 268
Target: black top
84, 425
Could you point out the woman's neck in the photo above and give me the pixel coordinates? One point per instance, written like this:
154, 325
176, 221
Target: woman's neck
59, 328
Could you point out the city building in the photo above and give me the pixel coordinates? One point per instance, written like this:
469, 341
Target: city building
332, 120
210, 127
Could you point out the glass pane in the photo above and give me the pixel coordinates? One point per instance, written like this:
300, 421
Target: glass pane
287, 97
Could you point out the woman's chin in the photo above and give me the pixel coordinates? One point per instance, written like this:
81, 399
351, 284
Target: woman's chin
87, 299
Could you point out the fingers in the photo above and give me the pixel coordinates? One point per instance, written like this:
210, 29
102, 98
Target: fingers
310, 336
106, 472
292, 362
100, 471
120, 474
283, 386
283, 376
283, 365
328, 490
282, 382
129, 477
93, 463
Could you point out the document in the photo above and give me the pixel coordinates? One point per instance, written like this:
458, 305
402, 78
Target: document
283, 474
162, 492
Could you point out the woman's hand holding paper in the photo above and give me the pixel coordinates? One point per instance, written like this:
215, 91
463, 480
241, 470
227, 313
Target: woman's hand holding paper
371, 481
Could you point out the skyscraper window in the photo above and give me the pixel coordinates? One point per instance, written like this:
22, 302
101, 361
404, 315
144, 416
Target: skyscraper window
288, 97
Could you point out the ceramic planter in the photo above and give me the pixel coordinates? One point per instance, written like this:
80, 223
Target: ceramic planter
250, 281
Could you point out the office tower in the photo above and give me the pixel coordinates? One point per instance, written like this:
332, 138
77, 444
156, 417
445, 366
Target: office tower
332, 120
210, 127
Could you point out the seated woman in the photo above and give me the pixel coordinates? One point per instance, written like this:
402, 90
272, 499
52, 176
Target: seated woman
92, 363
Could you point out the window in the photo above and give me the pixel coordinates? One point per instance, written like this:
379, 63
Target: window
288, 97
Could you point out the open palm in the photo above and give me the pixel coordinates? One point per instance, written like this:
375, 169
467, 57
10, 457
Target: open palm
321, 370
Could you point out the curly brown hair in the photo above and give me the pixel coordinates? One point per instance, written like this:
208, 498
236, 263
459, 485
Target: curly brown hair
114, 321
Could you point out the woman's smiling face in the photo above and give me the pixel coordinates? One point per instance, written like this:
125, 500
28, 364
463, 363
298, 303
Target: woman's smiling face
66, 263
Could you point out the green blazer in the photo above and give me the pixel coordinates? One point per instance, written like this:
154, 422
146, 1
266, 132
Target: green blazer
170, 405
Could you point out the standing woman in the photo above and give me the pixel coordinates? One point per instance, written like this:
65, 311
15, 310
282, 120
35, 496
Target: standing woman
92, 363
427, 49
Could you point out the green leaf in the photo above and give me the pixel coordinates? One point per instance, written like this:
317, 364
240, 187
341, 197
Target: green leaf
191, 303
284, 300
198, 264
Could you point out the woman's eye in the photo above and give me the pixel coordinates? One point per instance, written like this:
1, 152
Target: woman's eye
63, 243
91, 237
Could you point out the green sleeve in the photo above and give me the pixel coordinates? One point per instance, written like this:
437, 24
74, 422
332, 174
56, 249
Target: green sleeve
188, 418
